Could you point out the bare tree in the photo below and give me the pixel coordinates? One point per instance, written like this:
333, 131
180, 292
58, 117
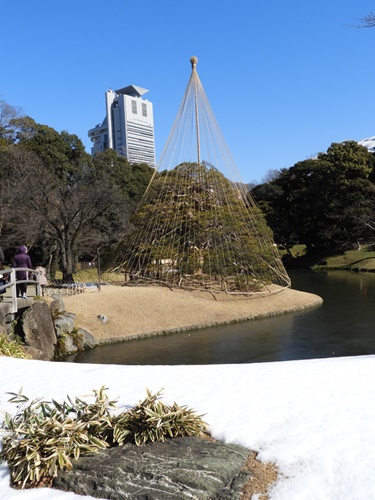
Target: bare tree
68, 212
367, 21
7, 114
36, 208
271, 175
57, 197
16, 167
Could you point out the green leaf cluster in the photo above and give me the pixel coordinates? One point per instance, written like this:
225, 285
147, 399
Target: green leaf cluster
44, 437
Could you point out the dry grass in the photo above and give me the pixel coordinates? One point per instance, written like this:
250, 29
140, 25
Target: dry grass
134, 312
91, 275
12, 348
264, 475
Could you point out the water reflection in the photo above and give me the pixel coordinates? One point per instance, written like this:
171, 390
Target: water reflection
342, 326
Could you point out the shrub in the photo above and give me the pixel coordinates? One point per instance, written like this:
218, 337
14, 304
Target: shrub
153, 420
13, 348
44, 437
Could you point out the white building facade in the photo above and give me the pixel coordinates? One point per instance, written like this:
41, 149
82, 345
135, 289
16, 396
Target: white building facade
128, 127
368, 143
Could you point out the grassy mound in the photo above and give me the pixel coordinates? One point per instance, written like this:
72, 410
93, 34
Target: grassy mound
354, 260
362, 259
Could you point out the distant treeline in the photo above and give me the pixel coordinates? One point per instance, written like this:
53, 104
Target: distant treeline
323, 202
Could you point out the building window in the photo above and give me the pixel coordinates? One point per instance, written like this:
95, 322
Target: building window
144, 109
134, 107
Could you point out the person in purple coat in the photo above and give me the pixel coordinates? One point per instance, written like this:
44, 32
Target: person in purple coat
21, 259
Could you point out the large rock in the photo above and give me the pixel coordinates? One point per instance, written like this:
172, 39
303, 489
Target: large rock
180, 468
57, 306
36, 354
86, 338
3, 323
6, 317
67, 345
65, 323
39, 329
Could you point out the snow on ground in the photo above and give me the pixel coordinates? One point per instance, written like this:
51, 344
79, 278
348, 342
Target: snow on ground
315, 419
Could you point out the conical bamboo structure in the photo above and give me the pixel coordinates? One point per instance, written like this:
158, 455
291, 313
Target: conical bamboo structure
197, 226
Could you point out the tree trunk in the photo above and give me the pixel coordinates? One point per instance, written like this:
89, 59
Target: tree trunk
54, 263
68, 271
67, 258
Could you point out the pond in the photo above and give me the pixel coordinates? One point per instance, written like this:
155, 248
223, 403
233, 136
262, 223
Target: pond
342, 326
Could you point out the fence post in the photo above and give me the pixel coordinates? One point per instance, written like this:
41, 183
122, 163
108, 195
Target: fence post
38, 285
13, 290
98, 261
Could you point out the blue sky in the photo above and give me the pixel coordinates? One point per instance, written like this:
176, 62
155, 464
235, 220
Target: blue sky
285, 79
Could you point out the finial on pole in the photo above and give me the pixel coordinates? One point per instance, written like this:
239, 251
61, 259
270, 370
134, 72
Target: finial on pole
193, 61
194, 77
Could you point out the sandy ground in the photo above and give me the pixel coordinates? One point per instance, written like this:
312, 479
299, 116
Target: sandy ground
142, 311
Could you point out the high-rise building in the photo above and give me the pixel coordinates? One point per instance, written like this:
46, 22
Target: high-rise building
369, 143
128, 127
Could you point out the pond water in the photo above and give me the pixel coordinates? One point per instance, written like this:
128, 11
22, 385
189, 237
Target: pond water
343, 326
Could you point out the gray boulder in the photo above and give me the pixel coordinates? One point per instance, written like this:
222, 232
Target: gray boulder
36, 354
57, 306
6, 317
3, 323
67, 345
39, 329
86, 338
64, 324
180, 468
103, 318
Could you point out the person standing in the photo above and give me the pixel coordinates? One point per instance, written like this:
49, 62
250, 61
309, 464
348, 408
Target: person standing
21, 259
43, 277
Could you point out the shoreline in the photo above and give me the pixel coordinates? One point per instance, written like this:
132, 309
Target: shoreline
145, 311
